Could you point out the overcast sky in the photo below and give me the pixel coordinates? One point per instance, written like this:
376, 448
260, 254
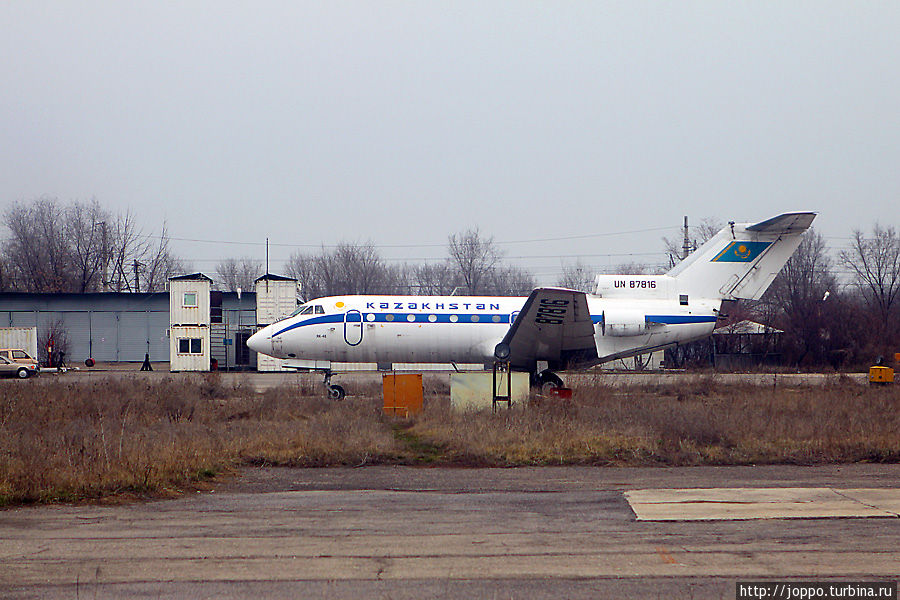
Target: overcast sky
401, 122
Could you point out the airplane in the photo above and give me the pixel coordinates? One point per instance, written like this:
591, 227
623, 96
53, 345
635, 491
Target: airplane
552, 329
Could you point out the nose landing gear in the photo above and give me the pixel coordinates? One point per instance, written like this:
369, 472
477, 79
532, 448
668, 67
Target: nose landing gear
335, 392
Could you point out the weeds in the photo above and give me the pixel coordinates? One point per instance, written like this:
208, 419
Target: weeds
61, 441
704, 422
65, 442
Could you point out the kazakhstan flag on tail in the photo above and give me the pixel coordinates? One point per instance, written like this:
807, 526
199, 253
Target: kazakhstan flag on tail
741, 251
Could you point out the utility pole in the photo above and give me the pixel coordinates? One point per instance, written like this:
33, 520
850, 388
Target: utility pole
137, 281
103, 256
686, 247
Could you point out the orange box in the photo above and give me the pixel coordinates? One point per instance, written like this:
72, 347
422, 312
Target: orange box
881, 375
402, 394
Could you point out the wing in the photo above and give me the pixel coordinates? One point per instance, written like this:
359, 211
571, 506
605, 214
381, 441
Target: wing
554, 325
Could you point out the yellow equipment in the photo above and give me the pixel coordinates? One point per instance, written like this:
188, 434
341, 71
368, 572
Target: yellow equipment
881, 375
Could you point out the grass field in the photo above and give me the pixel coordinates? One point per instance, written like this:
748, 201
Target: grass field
120, 437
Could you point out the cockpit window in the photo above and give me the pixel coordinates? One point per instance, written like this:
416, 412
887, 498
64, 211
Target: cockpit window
309, 309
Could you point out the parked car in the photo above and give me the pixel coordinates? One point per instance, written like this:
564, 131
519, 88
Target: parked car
17, 369
17, 355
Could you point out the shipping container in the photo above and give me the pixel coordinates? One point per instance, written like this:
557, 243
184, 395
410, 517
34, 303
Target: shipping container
23, 338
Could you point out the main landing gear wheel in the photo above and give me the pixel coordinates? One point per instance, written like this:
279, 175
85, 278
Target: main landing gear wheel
548, 379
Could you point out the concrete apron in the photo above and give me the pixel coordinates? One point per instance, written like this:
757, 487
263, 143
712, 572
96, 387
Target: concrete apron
724, 504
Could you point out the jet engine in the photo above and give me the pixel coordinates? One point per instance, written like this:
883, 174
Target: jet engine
625, 322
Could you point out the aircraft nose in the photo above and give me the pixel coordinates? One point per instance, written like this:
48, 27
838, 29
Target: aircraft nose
260, 342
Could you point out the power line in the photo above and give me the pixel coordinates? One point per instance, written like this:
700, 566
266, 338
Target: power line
443, 258
433, 245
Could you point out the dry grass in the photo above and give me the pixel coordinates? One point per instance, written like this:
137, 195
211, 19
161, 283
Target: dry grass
63, 441
700, 423
111, 437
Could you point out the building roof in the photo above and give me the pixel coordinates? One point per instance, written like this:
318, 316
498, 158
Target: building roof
99, 301
191, 276
274, 277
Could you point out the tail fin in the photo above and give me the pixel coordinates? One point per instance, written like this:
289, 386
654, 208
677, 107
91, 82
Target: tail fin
742, 259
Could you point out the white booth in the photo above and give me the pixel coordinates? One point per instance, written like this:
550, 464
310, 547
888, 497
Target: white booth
189, 322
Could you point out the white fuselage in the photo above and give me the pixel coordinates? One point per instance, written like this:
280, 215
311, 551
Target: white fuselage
443, 329
627, 315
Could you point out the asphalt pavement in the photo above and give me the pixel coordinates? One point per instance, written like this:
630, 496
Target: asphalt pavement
404, 532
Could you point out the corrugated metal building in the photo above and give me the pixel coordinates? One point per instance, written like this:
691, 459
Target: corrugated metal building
122, 327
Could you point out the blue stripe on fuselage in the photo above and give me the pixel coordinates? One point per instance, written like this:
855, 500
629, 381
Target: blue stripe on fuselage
337, 318
679, 319
482, 319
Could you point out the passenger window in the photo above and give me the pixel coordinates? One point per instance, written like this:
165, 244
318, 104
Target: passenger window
320, 310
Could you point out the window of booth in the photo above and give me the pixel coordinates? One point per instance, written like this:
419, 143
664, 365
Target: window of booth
190, 346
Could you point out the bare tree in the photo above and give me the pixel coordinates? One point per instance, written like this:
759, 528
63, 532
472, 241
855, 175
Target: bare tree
632, 268
577, 276
234, 273
84, 223
53, 343
474, 258
55, 247
37, 248
131, 253
359, 269
160, 264
510, 281
875, 263
347, 269
580, 277
437, 279
799, 293
304, 268
125, 242
6, 282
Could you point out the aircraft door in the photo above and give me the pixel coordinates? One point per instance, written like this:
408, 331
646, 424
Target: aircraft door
353, 327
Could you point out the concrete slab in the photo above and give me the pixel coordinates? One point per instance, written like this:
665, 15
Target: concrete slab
472, 391
726, 504
885, 499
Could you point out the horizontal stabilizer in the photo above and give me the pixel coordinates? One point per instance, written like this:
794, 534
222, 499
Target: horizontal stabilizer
795, 222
